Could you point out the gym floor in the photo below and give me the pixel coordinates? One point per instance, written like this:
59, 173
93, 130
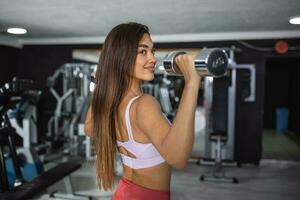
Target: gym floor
273, 179
281, 145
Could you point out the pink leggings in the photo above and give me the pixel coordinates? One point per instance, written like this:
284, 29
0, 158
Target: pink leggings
130, 191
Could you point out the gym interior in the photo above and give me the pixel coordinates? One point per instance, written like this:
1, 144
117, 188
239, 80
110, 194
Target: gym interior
247, 121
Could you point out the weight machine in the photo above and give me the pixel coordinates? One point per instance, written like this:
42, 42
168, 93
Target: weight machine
11, 94
67, 122
220, 102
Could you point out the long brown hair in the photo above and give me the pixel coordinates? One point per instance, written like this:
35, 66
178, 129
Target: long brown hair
112, 80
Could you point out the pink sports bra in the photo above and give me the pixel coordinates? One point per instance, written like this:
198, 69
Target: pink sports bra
146, 154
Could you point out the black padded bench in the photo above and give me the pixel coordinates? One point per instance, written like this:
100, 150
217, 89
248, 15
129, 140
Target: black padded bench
41, 182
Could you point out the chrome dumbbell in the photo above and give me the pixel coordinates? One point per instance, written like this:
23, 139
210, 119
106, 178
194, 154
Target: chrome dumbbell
208, 62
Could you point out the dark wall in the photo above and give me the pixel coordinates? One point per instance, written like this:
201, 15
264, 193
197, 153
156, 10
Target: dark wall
282, 90
9, 58
249, 115
38, 62
294, 97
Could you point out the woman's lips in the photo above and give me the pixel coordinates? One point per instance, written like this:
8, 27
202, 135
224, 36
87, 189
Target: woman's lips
150, 68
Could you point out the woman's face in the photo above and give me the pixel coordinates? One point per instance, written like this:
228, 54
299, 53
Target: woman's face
145, 60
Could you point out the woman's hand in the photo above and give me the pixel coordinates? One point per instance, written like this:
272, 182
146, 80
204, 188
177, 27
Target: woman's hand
185, 63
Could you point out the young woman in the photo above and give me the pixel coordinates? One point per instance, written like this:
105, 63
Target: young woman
121, 118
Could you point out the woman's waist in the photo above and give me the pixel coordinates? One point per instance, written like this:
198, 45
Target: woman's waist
157, 178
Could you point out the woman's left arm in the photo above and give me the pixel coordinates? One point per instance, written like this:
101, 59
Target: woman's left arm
88, 124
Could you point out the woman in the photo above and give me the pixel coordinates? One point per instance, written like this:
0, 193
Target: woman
121, 118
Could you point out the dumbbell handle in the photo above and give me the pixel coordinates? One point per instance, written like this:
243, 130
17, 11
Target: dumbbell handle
208, 62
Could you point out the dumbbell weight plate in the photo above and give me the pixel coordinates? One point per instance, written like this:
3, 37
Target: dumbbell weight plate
212, 62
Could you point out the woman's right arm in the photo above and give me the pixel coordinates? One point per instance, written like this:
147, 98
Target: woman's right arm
174, 142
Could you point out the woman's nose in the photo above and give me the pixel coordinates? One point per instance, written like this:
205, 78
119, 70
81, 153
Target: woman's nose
152, 59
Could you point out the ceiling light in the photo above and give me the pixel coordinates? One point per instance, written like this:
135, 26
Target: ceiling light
16, 30
295, 20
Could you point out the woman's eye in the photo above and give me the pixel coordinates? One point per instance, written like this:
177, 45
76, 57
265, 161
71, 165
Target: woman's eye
144, 52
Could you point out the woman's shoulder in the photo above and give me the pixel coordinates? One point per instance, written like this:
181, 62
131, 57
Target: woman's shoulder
147, 100
148, 112
147, 104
